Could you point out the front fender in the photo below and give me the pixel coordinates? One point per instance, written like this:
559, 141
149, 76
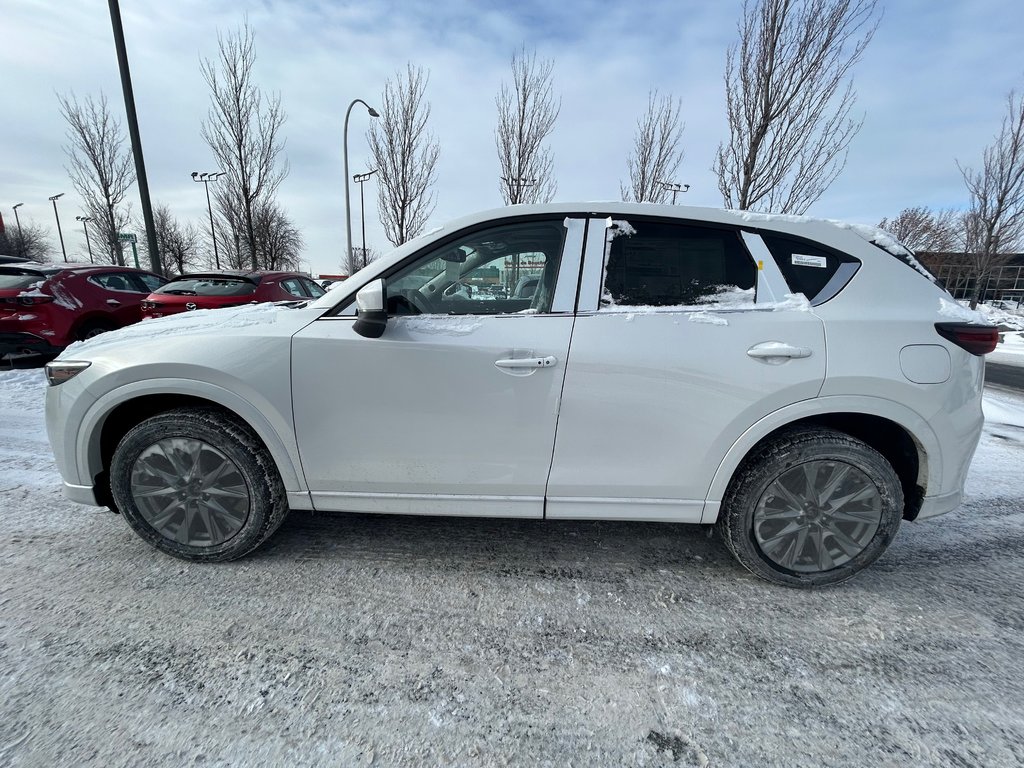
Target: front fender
273, 426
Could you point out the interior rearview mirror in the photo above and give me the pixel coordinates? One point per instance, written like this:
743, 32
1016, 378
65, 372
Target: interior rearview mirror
371, 312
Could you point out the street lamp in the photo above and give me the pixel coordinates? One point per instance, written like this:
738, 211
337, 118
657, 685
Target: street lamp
15, 209
675, 189
206, 177
348, 207
59, 233
361, 179
85, 225
518, 182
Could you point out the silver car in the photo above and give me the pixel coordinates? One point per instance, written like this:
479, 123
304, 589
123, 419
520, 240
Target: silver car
803, 385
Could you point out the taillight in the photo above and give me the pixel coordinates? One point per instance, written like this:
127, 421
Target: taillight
151, 304
976, 339
29, 301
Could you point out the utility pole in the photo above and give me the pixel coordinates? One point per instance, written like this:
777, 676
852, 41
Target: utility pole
133, 131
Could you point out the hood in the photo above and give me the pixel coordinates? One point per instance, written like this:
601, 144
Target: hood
201, 325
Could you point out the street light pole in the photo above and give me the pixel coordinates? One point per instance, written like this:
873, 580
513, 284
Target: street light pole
85, 220
674, 188
57, 216
348, 207
15, 209
361, 179
206, 177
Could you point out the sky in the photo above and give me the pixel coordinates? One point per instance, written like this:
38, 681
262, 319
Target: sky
931, 89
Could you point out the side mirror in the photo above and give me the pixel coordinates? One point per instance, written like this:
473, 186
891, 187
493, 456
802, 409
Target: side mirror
371, 315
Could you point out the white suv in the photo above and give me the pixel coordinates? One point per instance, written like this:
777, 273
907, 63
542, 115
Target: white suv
802, 384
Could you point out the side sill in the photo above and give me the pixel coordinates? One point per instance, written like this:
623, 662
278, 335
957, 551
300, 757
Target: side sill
639, 510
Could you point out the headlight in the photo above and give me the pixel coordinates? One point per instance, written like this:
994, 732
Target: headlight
62, 370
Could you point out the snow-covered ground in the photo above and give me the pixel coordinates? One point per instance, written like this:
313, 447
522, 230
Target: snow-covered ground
409, 641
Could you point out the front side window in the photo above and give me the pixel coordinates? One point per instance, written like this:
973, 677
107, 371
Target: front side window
498, 270
116, 282
292, 286
659, 264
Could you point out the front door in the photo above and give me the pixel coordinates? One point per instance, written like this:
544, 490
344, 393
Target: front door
453, 409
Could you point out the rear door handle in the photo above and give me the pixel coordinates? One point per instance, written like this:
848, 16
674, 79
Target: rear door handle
777, 349
114, 302
526, 362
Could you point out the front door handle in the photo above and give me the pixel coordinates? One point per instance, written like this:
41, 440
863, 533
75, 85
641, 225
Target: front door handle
776, 349
519, 363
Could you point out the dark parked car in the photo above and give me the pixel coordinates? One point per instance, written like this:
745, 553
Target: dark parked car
227, 288
46, 307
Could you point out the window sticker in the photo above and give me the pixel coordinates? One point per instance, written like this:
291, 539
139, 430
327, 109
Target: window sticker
806, 260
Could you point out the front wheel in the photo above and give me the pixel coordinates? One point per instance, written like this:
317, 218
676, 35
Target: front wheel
811, 508
198, 484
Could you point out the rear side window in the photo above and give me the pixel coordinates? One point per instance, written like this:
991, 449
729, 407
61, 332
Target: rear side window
651, 263
207, 286
810, 268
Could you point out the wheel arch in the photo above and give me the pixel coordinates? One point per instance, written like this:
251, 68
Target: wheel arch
901, 435
113, 415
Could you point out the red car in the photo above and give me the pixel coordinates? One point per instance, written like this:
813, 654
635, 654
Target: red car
45, 307
227, 288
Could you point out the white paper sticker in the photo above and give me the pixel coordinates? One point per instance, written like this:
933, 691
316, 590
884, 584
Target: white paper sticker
806, 260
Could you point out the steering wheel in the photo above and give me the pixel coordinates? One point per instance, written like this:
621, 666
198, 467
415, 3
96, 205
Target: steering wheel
418, 301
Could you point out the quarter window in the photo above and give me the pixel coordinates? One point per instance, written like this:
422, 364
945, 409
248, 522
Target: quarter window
659, 264
808, 268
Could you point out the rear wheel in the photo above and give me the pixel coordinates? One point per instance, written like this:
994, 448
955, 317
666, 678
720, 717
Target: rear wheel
198, 484
811, 508
93, 328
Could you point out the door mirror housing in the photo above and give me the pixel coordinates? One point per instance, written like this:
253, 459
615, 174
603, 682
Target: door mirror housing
371, 312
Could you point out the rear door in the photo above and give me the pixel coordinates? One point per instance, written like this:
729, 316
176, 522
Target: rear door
682, 342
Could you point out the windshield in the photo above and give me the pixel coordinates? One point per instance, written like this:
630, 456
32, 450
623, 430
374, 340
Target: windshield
209, 286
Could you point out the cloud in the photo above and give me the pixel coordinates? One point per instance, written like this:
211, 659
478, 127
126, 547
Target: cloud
931, 87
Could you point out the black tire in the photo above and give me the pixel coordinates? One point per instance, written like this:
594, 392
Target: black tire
196, 525
93, 328
799, 540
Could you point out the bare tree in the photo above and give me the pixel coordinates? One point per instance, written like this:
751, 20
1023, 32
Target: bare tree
243, 129
788, 100
995, 222
100, 167
178, 244
406, 156
29, 241
657, 153
278, 239
526, 116
360, 258
924, 230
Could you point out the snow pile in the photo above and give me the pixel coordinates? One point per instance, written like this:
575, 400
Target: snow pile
180, 325
955, 311
727, 299
1002, 317
1010, 351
